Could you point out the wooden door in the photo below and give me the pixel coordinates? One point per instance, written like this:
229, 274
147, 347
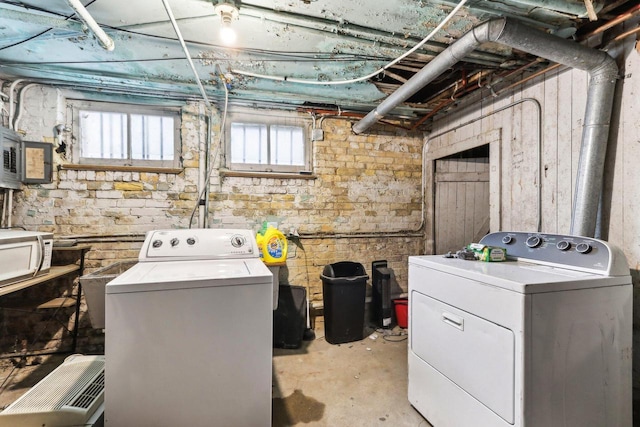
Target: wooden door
461, 202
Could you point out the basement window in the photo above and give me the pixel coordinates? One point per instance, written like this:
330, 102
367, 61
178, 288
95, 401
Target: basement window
263, 141
125, 135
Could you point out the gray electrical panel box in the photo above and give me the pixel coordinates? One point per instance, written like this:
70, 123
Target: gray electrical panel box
37, 162
11, 157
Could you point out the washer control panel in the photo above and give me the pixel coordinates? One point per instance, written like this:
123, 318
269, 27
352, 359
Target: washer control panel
202, 244
562, 250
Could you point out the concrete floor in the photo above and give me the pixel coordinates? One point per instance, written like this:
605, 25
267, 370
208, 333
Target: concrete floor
362, 383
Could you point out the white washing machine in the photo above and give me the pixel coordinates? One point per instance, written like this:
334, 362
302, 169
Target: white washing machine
189, 333
542, 339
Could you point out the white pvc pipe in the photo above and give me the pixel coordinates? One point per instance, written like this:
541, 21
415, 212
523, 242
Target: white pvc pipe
5, 194
105, 41
20, 101
202, 167
9, 208
11, 101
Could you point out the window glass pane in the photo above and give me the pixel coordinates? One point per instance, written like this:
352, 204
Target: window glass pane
287, 145
249, 143
103, 135
151, 137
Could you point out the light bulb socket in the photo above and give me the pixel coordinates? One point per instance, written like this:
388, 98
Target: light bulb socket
228, 12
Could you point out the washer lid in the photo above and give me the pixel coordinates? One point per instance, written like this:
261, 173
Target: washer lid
166, 275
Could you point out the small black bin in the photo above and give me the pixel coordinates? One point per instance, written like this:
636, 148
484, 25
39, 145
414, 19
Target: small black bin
290, 318
344, 286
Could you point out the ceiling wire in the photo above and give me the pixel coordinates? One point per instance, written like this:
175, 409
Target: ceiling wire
293, 55
186, 52
66, 18
368, 76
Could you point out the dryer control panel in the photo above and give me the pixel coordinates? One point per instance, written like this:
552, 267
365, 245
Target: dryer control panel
574, 252
198, 244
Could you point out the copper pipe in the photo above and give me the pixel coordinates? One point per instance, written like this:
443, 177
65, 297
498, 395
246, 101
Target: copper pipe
612, 5
619, 19
626, 34
615, 21
431, 113
450, 100
347, 114
531, 77
449, 90
337, 113
523, 68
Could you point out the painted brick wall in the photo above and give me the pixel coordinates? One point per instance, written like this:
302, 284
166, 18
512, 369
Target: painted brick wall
363, 205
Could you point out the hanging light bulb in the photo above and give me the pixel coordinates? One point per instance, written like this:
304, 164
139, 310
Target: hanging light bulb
228, 13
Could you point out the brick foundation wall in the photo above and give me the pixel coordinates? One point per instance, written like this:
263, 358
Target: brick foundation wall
363, 204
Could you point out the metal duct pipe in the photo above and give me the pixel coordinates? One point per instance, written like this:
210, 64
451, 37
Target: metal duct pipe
603, 73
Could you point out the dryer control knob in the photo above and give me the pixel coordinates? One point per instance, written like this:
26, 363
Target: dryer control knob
533, 241
191, 241
156, 243
174, 242
583, 248
563, 245
507, 240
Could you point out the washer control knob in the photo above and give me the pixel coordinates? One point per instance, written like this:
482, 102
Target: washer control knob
563, 245
174, 242
156, 243
583, 248
533, 241
237, 241
191, 241
507, 240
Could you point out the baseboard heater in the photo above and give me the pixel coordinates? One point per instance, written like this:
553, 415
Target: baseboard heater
71, 395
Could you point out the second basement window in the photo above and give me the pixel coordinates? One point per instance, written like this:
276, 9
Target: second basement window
265, 142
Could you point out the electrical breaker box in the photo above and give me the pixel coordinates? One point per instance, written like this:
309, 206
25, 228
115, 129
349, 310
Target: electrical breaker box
11, 156
37, 162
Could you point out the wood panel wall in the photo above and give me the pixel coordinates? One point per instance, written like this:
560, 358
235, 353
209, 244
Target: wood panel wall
562, 97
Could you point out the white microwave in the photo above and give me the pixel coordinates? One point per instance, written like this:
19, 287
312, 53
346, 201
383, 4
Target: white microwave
24, 254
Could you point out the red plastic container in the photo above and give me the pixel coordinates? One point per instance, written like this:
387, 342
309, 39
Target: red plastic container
402, 311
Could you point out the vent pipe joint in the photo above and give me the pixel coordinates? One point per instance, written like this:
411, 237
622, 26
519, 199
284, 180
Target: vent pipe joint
603, 73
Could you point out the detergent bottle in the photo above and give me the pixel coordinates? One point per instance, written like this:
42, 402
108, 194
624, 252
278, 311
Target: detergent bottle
272, 245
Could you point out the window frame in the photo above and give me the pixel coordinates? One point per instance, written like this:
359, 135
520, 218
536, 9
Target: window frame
75, 106
269, 118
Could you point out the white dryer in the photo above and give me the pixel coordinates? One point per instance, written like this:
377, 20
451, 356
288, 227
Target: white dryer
189, 333
542, 339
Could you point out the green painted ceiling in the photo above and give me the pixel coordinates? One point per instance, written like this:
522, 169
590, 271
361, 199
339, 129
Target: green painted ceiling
317, 40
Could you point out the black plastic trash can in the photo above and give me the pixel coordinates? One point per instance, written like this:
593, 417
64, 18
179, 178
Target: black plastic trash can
344, 286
